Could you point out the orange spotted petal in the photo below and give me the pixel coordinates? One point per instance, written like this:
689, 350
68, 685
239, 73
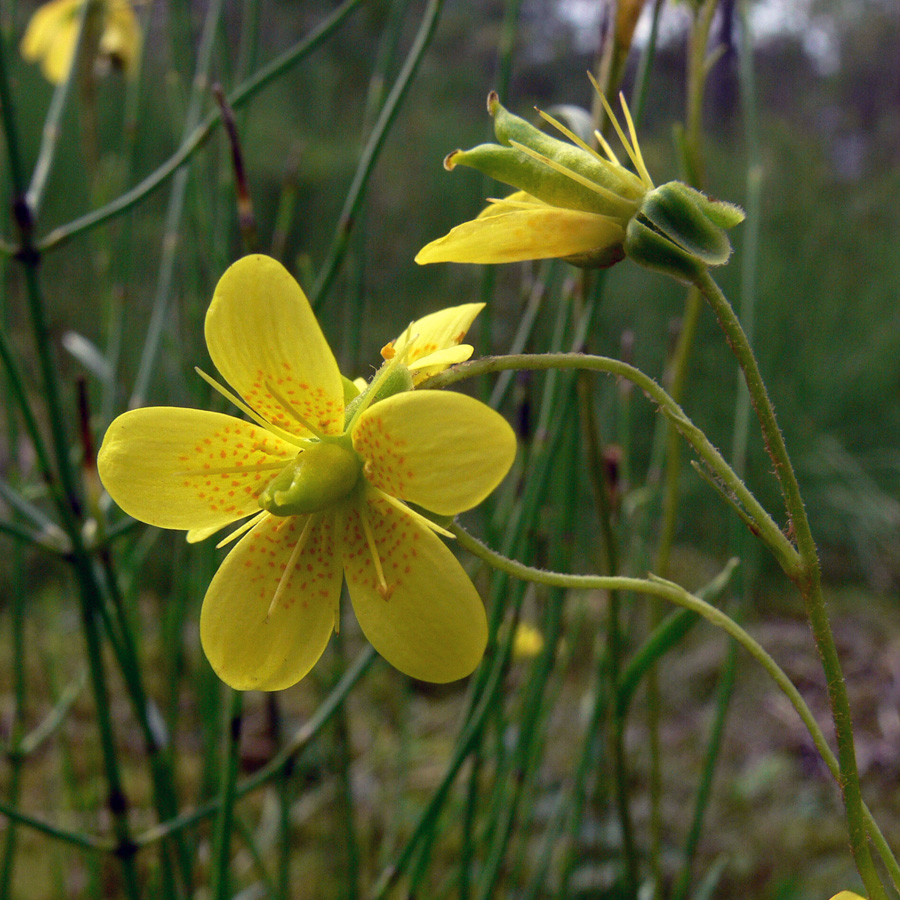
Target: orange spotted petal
421, 612
443, 451
271, 607
188, 468
264, 339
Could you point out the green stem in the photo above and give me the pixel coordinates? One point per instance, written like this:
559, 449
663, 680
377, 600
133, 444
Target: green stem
767, 530
805, 573
674, 593
219, 882
53, 123
386, 117
301, 739
236, 99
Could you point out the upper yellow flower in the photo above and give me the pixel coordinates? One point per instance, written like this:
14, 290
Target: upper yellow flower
572, 202
329, 486
847, 895
584, 207
52, 34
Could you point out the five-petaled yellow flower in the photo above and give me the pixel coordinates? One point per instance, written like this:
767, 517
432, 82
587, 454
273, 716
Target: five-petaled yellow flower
52, 34
327, 485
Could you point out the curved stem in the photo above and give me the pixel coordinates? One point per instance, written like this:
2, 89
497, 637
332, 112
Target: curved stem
198, 137
674, 593
805, 573
765, 527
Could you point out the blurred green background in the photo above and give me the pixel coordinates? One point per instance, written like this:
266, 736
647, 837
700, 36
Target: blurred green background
827, 329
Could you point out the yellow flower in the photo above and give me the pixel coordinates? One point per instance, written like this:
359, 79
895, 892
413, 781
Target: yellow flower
432, 343
52, 34
847, 895
576, 204
527, 641
572, 202
327, 486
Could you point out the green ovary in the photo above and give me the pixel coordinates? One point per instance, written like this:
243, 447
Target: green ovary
318, 477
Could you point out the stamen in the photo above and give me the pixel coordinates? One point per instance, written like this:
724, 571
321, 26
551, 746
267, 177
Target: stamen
241, 530
286, 574
639, 162
383, 587
293, 411
571, 136
574, 176
408, 511
236, 470
634, 152
606, 148
233, 398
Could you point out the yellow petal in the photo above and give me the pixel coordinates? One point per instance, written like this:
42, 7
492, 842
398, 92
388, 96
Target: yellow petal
440, 450
253, 643
437, 331
188, 468
51, 36
847, 895
121, 38
430, 622
439, 360
513, 236
264, 339
516, 200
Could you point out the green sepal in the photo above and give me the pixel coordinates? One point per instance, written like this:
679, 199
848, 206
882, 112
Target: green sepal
597, 259
654, 250
319, 477
351, 391
690, 220
396, 381
515, 168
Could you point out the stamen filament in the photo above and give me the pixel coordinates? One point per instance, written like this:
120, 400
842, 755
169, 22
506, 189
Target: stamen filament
627, 205
293, 411
571, 136
607, 149
233, 398
406, 510
639, 163
236, 470
292, 562
241, 530
383, 588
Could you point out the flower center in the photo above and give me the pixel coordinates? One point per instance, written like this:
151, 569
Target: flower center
317, 478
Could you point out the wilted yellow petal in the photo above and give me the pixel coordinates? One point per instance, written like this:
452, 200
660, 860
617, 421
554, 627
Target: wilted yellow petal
253, 643
437, 331
264, 339
188, 468
440, 450
121, 38
544, 232
430, 623
439, 360
51, 36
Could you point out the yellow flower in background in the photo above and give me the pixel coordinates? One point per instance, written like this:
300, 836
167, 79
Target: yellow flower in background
434, 342
847, 895
572, 202
527, 641
327, 487
52, 34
